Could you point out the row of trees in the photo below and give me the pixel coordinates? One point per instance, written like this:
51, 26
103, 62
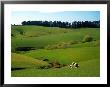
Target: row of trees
75, 24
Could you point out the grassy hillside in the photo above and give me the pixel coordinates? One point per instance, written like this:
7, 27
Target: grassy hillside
87, 69
51, 44
20, 61
66, 56
53, 36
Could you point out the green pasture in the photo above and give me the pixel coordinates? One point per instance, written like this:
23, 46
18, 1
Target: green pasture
66, 46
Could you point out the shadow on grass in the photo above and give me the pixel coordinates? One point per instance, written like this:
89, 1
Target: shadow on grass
24, 48
13, 69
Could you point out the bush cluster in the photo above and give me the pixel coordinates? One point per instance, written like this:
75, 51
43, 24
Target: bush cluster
87, 38
56, 46
60, 45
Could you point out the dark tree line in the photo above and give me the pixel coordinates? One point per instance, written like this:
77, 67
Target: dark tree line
75, 24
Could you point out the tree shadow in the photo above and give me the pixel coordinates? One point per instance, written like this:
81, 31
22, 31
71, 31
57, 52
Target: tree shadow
13, 69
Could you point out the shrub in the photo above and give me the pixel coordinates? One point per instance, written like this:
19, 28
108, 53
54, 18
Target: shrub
55, 64
57, 46
61, 45
50, 47
72, 42
21, 31
45, 67
87, 38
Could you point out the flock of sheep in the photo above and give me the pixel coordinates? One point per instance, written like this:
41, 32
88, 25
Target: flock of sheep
76, 65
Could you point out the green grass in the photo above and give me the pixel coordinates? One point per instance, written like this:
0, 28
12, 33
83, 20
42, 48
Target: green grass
21, 61
66, 56
36, 31
86, 54
87, 69
86, 44
49, 39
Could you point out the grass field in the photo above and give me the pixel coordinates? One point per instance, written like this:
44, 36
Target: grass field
35, 47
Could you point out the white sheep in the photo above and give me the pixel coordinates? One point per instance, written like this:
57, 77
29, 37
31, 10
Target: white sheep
71, 66
76, 65
73, 63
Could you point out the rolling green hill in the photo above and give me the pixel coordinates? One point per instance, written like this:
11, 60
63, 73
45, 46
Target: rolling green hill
21, 61
37, 43
57, 36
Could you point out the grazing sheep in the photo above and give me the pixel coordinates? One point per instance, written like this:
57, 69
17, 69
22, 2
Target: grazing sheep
73, 63
76, 65
71, 66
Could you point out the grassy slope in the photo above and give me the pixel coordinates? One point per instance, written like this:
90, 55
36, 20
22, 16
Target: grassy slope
66, 56
21, 61
87, 69
57, 35
86, 54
